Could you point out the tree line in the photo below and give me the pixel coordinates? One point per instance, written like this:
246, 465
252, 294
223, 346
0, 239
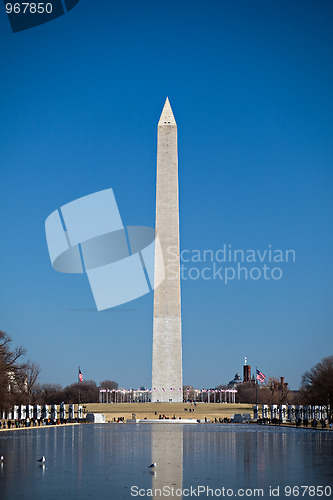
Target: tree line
19, 384
17, 377
86, 391
316, 388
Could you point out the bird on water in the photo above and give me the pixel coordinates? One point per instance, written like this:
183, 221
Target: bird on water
152, 466
41, 460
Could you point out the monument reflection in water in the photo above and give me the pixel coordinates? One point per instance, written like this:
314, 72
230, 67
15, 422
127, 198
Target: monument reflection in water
167, 453
111, 461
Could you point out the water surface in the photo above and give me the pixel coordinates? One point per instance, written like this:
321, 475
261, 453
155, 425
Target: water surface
106, 461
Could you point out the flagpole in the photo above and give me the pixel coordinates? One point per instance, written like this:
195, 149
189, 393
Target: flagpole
78, 377
256, 387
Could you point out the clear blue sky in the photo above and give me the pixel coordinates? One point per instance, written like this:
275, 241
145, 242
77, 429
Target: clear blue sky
250, 83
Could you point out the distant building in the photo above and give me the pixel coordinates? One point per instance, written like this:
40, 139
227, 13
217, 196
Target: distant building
281, 386
246, 373
236, 380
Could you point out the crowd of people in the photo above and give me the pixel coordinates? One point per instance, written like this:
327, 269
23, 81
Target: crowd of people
314, 423
19, 424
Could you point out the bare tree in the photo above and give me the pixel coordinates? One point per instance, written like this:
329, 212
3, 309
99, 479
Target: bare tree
246, 393
31, 373
108, 384
279, 390
274, 392
317, 384
49, 393
10, 357
86, 392
11, 371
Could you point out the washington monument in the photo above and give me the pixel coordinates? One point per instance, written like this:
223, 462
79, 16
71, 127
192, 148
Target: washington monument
167, 383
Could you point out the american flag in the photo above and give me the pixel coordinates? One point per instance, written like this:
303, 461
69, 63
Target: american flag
80, 375
163, 389
260, 376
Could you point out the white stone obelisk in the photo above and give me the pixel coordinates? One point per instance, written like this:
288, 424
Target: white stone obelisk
167, 383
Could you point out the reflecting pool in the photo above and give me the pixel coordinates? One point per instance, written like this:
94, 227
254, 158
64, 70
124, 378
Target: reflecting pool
111, 461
